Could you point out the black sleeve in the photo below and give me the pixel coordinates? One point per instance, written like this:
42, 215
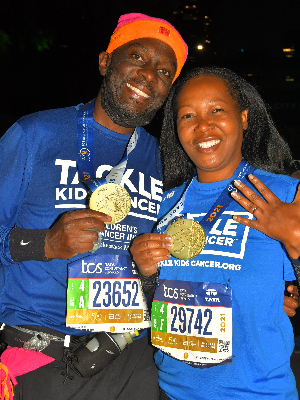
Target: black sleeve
296, 265
297, 272
27, 244
149, 284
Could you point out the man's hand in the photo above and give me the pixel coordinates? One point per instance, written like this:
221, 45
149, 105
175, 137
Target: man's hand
275, 218
148, 249
291, 303
70, 235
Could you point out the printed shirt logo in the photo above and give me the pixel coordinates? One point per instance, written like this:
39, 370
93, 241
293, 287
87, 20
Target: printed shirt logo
145, 192
227, 237
22, 243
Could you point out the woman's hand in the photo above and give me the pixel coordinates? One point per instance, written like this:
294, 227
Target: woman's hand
148, 249
291, 302
275, 218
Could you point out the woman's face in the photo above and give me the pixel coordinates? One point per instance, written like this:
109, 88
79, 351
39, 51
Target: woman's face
210, 127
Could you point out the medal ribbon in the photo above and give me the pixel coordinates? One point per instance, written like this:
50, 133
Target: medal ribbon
221, 203
85, 151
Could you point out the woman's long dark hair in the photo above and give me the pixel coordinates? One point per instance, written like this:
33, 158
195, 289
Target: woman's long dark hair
262, 147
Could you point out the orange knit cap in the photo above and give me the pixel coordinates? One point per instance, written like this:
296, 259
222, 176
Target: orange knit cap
134, 26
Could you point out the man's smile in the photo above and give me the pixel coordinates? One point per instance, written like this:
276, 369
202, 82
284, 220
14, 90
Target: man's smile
138, 91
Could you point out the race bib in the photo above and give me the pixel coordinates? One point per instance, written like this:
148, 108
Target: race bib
192, 322
104, 294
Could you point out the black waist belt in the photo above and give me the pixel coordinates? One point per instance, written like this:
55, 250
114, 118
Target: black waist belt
18, 336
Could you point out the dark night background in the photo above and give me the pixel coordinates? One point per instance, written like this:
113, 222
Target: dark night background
49, 50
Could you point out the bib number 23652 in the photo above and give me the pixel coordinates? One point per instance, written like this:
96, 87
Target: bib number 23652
104, 294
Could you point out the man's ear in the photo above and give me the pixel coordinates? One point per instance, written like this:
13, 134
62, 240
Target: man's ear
103, 62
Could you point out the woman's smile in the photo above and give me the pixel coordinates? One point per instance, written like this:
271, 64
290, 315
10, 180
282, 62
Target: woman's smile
210, 127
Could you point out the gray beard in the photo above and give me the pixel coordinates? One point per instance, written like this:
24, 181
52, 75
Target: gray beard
118, 112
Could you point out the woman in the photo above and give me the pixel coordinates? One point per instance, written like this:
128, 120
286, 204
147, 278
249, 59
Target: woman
219, 336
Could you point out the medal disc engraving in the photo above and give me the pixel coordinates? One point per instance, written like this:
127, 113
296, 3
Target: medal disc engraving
111, 199
188, 238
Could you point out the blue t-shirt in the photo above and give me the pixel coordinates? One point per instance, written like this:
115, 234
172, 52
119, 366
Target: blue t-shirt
39, 182
254, 267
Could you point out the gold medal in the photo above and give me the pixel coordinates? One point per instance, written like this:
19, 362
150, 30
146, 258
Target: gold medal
111, 199
188, 238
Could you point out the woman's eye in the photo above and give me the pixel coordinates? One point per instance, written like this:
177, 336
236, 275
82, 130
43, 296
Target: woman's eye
185, 116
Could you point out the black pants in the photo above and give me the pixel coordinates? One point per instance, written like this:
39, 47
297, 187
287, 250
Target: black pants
163, 396
132, 375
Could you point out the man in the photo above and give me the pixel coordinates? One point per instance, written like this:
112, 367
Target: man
45, 225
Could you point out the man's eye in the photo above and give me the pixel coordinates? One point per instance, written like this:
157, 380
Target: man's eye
137, 57
165, 72
216, 110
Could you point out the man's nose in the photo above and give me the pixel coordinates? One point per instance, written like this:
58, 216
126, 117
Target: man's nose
148, 72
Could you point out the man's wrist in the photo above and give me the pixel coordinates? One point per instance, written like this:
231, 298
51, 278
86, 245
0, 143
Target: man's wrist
27, 245
149, 284
149, 280
296, 265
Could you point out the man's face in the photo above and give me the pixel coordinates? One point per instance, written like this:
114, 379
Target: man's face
137, 79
